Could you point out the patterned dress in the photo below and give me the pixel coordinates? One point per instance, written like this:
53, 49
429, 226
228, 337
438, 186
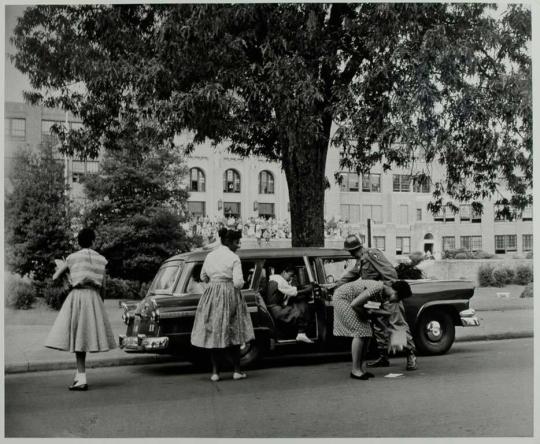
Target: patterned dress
347, 322
222, 318
82, 324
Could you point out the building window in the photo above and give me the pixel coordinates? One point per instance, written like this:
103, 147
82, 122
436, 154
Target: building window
197, 209
46, 136
505, 243
502, 217
266, 182
81, 168
464, 213
197, 180
476, 217
371, 183
231, 209
349, 182
403, 245
445, 214
421, 186
402, 182
231, 181
527, 214
380, 242
418, 214
403, 215
350, 213
16, 128
527, 242
448, 243
266, 210
471, 243
373, 212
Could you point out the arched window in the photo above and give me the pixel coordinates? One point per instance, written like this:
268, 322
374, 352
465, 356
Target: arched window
231, 181
266, 182
197, 181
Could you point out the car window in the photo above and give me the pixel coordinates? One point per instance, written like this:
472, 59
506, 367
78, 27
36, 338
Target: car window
334, 268
166, 276
248, 271
195, 285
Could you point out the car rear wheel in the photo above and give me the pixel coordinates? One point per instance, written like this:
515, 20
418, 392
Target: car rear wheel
435, 333
249, 353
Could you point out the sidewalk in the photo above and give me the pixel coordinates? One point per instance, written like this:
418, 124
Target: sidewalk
25, 332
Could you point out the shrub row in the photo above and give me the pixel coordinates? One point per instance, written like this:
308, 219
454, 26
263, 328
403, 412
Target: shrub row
19, 292
461, 253
490, 276
22, 292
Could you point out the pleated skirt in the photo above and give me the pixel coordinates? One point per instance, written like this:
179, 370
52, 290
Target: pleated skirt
222, 318
82, 324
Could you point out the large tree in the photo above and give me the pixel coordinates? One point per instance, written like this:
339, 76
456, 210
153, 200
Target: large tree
390, 83
136, 202
37, 214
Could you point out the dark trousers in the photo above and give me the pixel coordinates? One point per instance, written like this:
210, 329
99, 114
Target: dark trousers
295, 315
381, 328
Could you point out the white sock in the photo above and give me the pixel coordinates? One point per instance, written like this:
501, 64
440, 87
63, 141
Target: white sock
81, 378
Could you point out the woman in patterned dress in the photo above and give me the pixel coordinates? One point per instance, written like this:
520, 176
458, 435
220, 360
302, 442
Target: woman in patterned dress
222, 321
350, 318
82, 325
348, 322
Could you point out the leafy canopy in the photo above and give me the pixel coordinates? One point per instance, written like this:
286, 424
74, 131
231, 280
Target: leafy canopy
403, 84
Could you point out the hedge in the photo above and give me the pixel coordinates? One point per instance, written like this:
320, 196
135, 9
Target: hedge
20, 292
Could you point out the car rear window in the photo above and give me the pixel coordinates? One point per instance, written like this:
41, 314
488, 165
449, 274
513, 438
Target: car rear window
166, 277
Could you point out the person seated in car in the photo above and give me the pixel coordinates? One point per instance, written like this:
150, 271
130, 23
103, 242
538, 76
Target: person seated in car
287, 304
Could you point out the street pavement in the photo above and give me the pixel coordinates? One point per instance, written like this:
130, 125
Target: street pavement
25, 332
478, 389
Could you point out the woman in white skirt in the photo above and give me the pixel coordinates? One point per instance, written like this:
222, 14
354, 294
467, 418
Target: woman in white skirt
82, 325
222, 321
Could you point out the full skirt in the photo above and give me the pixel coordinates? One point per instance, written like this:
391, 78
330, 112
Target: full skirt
222, 318
82, 324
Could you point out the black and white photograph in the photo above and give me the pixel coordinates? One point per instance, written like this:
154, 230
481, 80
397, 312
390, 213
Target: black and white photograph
269, 220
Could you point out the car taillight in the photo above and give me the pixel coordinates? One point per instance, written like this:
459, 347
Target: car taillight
154, 316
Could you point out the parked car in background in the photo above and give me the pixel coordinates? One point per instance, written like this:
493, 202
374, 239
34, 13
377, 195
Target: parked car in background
162, 321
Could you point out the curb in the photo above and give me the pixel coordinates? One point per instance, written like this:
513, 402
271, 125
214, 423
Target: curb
162, 359
45, 366
497, 336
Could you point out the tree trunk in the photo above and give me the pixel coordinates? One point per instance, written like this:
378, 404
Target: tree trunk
305, 171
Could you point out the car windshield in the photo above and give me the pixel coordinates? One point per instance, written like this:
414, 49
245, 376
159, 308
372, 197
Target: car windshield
166, 276
334, 268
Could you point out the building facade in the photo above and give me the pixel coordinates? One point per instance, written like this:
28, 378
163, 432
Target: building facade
223, 184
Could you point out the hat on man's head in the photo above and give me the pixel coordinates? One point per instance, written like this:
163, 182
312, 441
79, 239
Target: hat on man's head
352, 242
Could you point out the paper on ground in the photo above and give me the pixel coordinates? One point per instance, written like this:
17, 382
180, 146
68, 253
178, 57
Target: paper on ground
393, 375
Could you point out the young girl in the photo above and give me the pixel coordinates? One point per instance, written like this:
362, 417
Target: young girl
222, 321
82, 325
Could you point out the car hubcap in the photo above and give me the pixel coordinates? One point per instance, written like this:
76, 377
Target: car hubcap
433, 330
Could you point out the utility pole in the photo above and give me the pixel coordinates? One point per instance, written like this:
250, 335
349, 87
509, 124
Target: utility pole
369, 233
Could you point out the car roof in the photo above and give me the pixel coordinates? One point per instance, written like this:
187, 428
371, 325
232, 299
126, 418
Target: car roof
267, 253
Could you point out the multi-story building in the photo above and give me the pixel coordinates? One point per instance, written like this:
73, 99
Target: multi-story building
223, 184
29, 126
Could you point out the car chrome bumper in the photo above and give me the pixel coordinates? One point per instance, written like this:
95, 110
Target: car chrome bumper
141, 343
469, 318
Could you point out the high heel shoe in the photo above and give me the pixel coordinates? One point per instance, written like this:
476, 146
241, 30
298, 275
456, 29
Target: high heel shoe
363, 376
78, 387
236, 376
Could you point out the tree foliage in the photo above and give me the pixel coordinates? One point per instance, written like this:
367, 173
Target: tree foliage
402, 84
135, 202
37, 214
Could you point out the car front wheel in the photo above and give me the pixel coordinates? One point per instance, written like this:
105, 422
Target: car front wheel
435, 333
